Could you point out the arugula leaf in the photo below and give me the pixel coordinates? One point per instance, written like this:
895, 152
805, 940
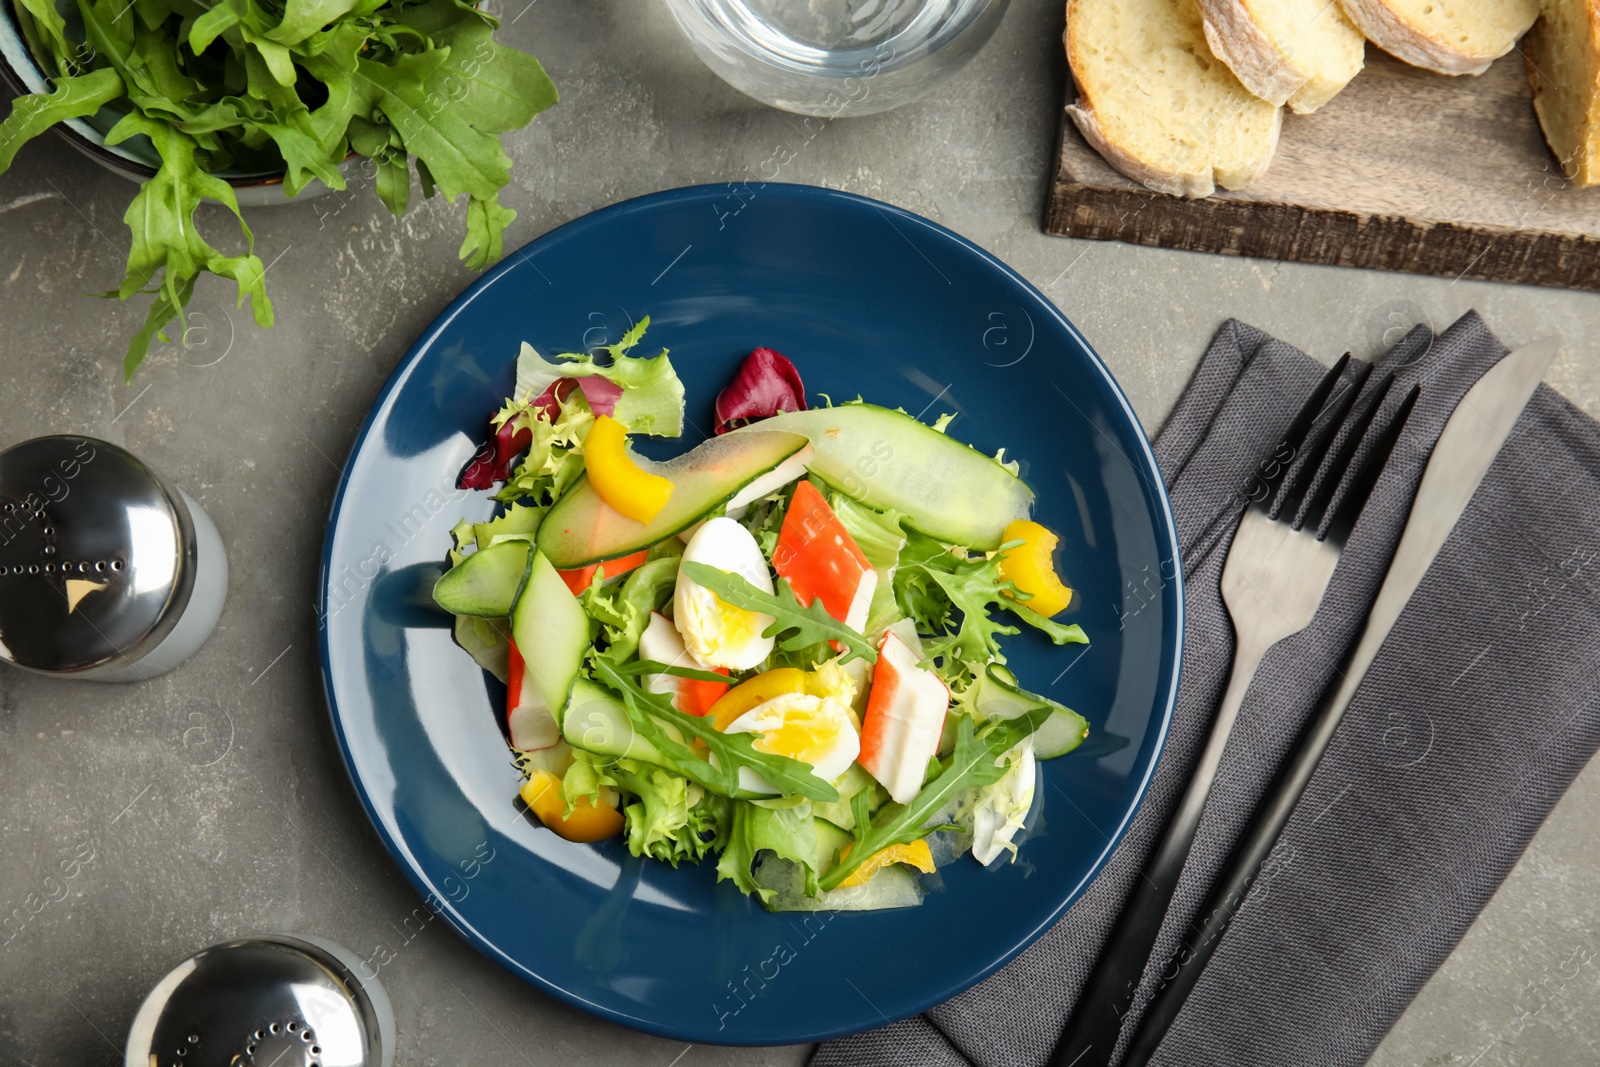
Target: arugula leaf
73, 98
166, 238
501, 88
976, 761
393, 184
652, 713
43, 17
460, 158
650, 666
486, 226
290, 86
795, 627
210, 26
302, 18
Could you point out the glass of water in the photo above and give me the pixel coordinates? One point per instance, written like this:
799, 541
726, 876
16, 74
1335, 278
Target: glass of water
836, 57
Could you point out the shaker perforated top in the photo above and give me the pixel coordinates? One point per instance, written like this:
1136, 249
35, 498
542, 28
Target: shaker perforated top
270, 1001
97, 555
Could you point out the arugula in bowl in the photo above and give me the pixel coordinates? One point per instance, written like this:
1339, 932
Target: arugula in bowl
258, 86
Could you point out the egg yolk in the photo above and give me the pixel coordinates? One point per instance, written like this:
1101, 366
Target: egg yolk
801, 727
717, 626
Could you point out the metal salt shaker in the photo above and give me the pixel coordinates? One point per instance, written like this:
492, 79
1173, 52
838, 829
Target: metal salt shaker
278, 1000
108, 571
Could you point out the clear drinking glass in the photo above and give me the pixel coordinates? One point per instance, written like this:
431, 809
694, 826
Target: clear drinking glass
836, 57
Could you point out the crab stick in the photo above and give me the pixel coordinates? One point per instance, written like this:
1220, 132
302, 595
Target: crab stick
822, 561
660, 642
578, 580
528, 717
905, 718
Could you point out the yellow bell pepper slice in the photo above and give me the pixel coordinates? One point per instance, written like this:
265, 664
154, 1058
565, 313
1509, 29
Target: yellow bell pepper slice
754, 692
619, 480
587, 822
1031, 567
917, 854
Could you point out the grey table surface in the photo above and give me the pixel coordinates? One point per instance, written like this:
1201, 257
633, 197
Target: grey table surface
212, 798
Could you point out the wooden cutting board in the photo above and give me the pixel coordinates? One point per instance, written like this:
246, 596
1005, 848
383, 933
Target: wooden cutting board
1403, 170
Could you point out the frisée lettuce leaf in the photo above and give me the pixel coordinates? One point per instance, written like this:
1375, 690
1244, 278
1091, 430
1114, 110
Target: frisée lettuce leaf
651, 397
948, 594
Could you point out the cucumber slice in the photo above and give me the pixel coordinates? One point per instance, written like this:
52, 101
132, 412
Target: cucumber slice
596, 721
485, 583
892, 887
551, 631
999, 696
888, 460
518, 520
581, 529
839, 812
830, 842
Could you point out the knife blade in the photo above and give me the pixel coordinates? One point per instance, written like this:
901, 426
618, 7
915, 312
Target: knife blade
1471, 439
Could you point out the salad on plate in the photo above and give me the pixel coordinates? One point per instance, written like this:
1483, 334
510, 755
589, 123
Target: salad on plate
779, 651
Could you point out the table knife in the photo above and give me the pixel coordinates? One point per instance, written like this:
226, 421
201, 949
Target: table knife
1468, 445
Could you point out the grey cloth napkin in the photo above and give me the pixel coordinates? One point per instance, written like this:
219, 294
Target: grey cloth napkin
1478, 712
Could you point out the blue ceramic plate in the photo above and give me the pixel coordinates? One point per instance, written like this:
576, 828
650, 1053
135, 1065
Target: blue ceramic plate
866, 299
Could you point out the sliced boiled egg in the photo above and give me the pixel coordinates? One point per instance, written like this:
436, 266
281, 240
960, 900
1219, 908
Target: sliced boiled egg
811, 729
714, 631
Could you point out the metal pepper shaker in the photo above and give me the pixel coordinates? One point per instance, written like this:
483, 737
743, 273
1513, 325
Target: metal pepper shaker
108, 571
279, 1000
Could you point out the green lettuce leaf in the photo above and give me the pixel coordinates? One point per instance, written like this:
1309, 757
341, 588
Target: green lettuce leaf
554, 459
623, 608
787, 832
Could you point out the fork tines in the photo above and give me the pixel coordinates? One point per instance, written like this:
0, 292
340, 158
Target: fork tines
1286, 455
1324, 466
1310, 485
1369, 455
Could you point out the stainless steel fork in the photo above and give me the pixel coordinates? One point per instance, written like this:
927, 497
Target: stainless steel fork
1303, 498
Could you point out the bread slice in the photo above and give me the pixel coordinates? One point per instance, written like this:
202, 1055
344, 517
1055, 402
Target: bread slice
1295, 52
1156, 103
1448, 36
1563, 58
